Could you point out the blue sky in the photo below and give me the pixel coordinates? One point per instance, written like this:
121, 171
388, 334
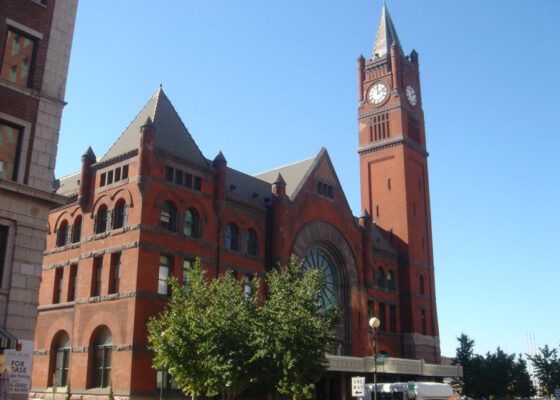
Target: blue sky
270, 83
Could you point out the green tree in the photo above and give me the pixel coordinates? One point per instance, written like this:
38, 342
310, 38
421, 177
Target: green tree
212, 338
497, 375
204, 339
521, 383
294, 332
466, 358
497, 371
547, 369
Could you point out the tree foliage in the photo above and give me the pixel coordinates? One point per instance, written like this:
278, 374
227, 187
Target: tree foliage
294, 333
547, 369
213, 338
495, 375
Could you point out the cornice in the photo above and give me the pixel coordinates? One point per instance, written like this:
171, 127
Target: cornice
392, 142
26, 192
31, 92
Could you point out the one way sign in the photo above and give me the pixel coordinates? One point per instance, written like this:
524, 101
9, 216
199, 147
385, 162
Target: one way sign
358, 386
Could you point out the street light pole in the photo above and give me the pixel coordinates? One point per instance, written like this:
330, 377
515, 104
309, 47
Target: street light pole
374, 324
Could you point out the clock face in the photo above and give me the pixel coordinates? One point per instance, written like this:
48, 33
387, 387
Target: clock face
318, 259
411, 95
377, 93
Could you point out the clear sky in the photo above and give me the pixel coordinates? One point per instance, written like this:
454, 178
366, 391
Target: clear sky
271, 82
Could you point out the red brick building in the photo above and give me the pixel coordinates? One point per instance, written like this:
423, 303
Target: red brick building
154, 202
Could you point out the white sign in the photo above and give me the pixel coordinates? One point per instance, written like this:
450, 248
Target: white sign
20, 362
557, 393
358, 386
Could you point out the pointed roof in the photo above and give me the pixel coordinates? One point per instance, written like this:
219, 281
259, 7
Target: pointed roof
386, 35
171, 134
293, 174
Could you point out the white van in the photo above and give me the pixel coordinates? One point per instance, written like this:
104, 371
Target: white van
410, 390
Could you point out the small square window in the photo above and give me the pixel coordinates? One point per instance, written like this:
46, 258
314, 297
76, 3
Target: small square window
117, 174
125, 171
109, 177
102, 179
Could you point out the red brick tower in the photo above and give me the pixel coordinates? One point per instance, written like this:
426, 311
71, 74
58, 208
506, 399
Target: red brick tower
394, 179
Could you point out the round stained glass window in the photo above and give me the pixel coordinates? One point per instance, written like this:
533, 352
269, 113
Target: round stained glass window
318, 259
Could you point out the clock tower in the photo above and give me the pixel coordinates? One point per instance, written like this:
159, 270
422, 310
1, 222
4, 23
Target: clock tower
394, 179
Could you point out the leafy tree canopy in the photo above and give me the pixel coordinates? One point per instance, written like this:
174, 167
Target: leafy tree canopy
547, 369
213, 338
497, 375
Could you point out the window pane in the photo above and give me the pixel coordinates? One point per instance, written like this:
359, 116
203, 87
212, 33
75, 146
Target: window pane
164, 271
9, 151
17, 58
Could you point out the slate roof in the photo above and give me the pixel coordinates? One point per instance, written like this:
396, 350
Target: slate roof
171, 134
386, 35
68, 185
294, 174
247, 187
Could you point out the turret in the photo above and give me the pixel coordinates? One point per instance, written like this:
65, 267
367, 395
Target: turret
220, 164
145, 152
279, 215
361, 77
88, 159
396, 66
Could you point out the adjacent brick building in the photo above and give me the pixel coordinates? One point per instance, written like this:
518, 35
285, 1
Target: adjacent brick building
154, 202
35, 42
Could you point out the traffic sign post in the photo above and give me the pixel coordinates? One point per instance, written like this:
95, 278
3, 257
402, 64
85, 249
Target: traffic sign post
358, 386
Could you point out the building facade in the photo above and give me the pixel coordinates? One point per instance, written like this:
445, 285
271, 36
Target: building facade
35, 43
154, 203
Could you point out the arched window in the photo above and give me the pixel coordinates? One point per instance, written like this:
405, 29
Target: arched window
61, 352
168, 216
232, 237
422, 288
62, 234
191, 225
77, 229
101, 366
252, 242
391, 282
380, 277
120, 212
101, 219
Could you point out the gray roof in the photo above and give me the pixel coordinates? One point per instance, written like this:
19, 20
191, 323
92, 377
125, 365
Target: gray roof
386, 35
294, 174
68, 185
247, 187
171, 134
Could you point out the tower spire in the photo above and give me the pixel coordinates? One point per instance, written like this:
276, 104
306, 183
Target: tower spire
386, 35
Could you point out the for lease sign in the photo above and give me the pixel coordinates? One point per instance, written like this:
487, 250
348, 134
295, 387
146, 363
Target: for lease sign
19, 362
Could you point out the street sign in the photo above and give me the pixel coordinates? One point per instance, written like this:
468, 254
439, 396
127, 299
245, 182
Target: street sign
358, 386
411, 386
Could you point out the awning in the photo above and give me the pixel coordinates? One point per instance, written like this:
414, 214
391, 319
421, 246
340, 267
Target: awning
7, 340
